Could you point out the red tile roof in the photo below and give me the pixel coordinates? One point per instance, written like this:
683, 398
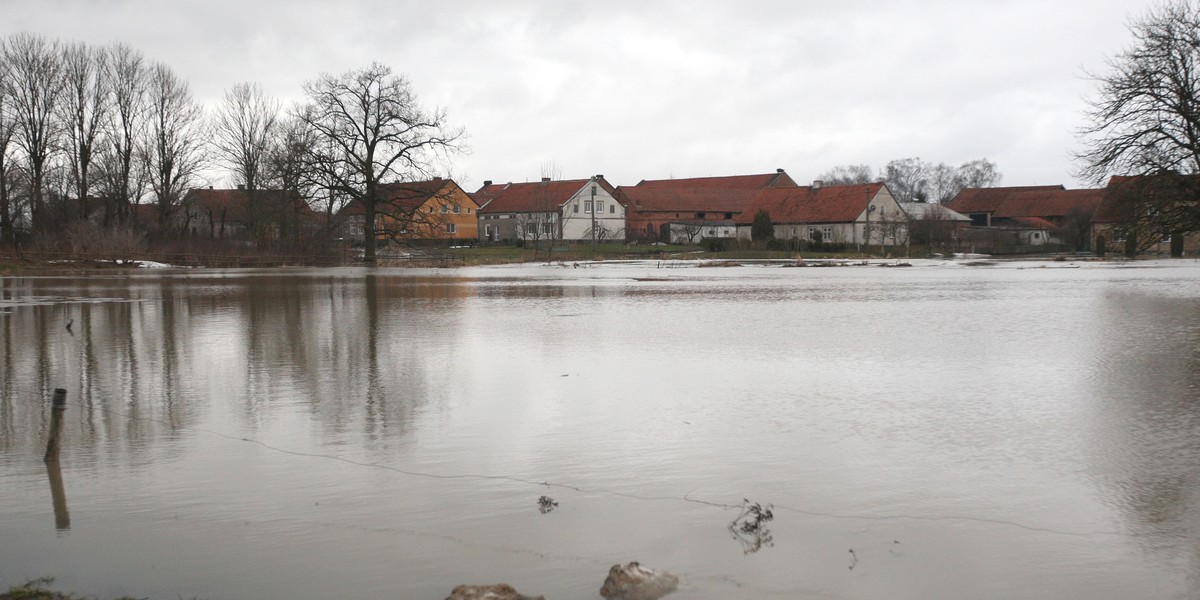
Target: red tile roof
826, 204
731, 182
537, 196
667, 199
405, 197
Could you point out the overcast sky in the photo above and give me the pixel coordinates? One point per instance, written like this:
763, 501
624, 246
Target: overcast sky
646, 89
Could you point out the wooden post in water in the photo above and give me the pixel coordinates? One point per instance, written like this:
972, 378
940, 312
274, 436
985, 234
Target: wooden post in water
62, 518
59, 405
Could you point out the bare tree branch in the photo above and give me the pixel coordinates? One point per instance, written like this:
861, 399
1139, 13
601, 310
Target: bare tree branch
371, 130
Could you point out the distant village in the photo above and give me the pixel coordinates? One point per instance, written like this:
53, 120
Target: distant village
716, 212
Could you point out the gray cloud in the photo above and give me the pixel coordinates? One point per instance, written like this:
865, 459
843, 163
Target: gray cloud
649, 90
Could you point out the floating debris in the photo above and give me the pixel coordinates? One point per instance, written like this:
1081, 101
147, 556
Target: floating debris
748, 527
546, 504
635, 582
498, 591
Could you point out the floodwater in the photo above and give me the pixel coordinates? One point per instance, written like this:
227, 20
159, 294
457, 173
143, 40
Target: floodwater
1020, 430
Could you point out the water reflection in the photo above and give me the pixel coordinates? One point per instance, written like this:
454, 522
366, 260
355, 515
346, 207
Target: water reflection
1146, 444
156, 360
276, 430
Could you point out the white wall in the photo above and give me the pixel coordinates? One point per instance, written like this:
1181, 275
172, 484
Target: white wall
578, 225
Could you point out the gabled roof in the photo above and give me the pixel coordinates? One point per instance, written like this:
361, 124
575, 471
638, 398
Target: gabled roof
668, 199
825, 204
732, 182
977, 200
231, 203
405, 197
410, 196
1041, 201
931, 211
536, 196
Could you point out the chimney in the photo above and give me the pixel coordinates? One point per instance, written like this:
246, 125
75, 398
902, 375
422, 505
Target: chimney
778, 170
817, 183
487, 182
599, 176
545, 180
210, 187
436, 178
241, 187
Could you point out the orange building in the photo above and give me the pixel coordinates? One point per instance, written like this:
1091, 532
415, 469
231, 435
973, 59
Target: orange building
437, 209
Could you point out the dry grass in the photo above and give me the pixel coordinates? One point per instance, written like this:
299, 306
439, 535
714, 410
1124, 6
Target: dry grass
38, 590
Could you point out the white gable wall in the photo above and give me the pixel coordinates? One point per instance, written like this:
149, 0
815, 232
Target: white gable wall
577, 219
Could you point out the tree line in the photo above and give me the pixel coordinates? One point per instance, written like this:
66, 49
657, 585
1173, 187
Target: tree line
88, 133
916, 180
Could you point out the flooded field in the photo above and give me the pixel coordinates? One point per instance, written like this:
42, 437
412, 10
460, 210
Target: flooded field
1019, 430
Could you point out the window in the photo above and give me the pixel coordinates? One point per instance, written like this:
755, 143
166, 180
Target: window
587, 207
451, 228
612, 209
576, 207
487, 230
813, 234
445, 209
699, 215
457, 209
547, 227
599, 206
827, 233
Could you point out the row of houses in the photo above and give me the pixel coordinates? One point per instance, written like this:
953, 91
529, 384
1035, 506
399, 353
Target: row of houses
691, 210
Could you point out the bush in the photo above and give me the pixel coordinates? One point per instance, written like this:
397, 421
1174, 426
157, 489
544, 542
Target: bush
714, 244
91, 240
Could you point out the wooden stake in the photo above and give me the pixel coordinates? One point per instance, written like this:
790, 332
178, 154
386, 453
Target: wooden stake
59, 405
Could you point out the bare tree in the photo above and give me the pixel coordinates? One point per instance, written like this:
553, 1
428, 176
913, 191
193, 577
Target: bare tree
883, 225
375, 130
8, 167
35, 89
907, 179
690, 229
1146, 122
122, 172
848, 175
1076, 228
286, 169
935, 228
914, 180
942, 183
978, 173
173, 152
83, 112
243, 129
